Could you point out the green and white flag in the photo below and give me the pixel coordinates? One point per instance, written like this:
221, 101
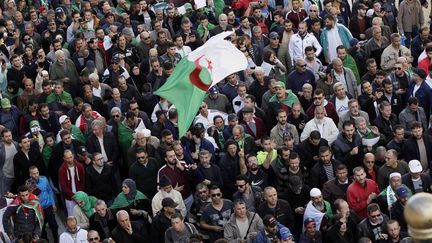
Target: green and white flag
196, 73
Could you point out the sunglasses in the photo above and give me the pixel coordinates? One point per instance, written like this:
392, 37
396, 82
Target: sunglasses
275, 38
216, 195
397, 68
141, 158
115, 116
93, 239
146, 38
304, 65
313, 10
317, 98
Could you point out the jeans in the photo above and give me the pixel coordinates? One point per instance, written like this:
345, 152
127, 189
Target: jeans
410, 35
188, 202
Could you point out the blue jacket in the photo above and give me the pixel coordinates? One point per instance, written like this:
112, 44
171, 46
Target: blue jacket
46, 195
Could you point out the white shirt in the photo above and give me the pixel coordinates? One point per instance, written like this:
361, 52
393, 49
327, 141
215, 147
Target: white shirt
341, 106
334, 41
184, 51
97, 91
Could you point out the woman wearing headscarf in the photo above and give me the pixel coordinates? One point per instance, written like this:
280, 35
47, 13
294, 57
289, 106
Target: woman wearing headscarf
84, 208
131, 200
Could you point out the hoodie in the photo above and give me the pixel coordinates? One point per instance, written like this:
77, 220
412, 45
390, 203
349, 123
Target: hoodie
65, 179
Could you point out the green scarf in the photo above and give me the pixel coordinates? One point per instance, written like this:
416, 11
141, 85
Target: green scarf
122, 202
89, 202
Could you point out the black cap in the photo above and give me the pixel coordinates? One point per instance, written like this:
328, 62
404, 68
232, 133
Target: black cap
269, 220
169, 202
81, 150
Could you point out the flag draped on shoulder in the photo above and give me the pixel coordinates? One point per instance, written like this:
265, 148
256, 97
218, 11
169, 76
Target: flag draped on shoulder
197, 72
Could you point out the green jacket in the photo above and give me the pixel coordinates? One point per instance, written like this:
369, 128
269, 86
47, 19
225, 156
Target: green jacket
289, 100
350, 63
64, 96
201, 30
77, 134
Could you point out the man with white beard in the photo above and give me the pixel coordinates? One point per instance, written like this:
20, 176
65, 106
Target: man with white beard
321, 123
318, 208
166, 190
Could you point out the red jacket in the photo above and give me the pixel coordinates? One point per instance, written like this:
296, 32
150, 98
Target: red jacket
424, 64
65, 179
357, 196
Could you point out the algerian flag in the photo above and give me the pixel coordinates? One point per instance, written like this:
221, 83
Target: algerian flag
197, 72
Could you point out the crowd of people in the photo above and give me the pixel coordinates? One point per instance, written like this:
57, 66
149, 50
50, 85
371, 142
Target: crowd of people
322, 138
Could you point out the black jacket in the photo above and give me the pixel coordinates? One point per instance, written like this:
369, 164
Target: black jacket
102, 185
411, 151
283, 212
22, 165
139, 234
318, 174
386, 127
110, 145
426, 182
96, 223
307, 151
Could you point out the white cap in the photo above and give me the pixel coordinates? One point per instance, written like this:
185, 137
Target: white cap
147, 133
315, 192
395, 174
415, 166
63, 118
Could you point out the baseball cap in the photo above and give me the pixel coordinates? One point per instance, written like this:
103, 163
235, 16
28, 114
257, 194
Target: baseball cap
34, 123
284, 233
308, 221
395, 174
5, 103
115, 59
270, 221
81, 150
42, 8
169, 202
90, 65
63, 119
415, 166
403, 192
213, 90
354, 41
273, 35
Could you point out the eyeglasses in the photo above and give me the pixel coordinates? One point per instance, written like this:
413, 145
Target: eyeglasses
143, 158
216, 194
375, 216
93, 239
318, 98
115, 116
397, 68
241, 186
